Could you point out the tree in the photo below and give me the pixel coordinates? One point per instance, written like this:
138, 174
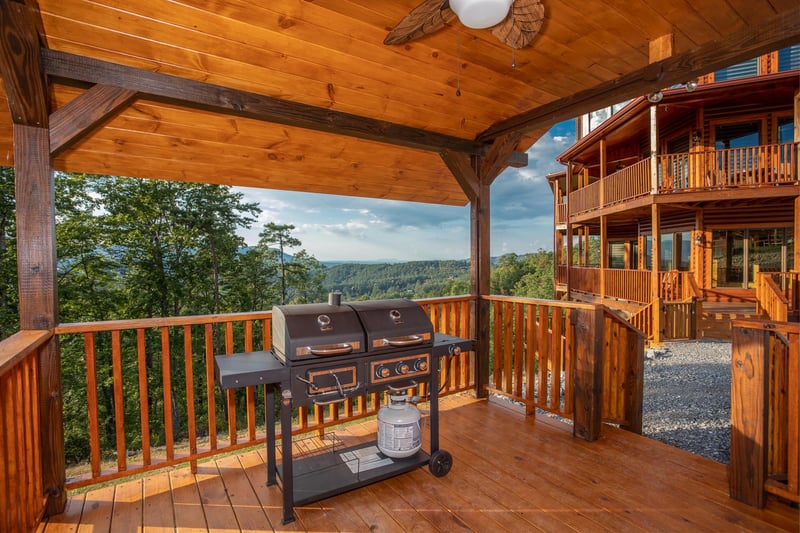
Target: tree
280, 236
9, 310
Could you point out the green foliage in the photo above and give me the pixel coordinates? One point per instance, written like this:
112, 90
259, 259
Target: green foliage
415, 279
528, 275
144, 248
9, 311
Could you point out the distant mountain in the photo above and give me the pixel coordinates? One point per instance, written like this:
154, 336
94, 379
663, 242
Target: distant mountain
411, 279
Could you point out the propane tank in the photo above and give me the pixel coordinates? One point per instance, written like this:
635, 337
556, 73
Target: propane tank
399, 428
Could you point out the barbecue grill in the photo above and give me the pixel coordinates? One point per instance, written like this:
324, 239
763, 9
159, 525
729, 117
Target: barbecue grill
326, 353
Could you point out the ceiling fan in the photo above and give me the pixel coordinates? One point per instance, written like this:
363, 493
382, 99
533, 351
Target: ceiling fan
513, 22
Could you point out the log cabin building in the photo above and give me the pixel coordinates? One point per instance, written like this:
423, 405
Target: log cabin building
690, 196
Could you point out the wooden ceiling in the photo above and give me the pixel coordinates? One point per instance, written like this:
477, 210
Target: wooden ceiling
303, 94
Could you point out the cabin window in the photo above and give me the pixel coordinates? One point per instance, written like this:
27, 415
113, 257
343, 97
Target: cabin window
737, 135
738, 255
741, 70
789, 58
785, 130
616, 255
676, 251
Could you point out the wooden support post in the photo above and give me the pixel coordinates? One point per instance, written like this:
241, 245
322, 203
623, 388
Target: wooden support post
748, 462
655, 279
480, 264
603, 254
588, 372
796, 233
570, 170
653, 150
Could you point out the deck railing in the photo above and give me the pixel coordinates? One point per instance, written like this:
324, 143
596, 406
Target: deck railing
537, 346
633, 285
22, 499
765, 165
561, 214
148, 358
630, 182
765, 402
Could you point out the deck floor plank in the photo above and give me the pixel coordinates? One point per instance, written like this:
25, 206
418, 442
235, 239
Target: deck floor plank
127, 515
510, 473
97, 508
158, 505
188, 511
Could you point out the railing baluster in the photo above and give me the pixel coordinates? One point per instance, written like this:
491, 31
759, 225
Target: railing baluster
166, 380
211, 408
189, 369
144, 409
119, 401
91, 400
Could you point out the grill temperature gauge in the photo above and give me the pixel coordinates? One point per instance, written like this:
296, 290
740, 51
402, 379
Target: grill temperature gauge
382, 372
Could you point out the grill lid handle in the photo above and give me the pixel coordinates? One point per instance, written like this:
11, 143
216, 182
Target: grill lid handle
331, 349
408, 340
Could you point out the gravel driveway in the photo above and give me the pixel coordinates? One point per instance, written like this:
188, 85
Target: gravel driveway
687, 397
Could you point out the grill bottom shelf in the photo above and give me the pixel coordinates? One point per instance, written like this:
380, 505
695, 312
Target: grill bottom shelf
328, 474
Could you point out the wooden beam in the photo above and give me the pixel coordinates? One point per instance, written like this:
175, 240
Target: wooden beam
38, 298
493, 163
74, 120
778, 32
662, 47
480, 266
460, 166
198, 94
20, 66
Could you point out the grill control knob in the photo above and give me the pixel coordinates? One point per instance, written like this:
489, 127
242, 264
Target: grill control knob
402, 368
382, 372
421, 365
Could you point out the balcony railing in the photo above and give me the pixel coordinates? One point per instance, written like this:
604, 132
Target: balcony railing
778, 294
765, 402
539, 344
149, 358
632, 285
756, 166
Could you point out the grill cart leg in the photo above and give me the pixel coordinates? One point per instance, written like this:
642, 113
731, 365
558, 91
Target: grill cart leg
270, 423
286, 452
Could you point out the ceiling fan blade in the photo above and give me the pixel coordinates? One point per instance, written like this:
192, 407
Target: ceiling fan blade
428, 17
522, 24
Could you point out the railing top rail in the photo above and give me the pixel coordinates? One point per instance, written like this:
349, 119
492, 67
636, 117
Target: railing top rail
703, 152
535, 301
616, 318
769, 282
769, 325
157, 322
20, 344
160, 322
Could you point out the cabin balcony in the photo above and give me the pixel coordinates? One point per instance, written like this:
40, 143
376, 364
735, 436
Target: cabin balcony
731, 170
196, 459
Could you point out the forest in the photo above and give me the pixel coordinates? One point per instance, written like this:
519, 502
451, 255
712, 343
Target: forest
133, 248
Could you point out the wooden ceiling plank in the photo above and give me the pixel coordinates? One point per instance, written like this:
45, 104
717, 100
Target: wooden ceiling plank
345, 185
74, 120
20, 65
244, 103
299, 39
777, 32
288, 64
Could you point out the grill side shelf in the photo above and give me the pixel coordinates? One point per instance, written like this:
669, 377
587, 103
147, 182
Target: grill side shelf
249, 368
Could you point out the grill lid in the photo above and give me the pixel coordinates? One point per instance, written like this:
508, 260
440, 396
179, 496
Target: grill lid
392, 324
315, 330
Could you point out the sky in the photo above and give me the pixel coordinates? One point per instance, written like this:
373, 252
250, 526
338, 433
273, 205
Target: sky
340, 228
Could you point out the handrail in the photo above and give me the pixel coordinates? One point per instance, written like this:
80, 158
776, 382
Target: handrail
131, 363
20, 345
770, 300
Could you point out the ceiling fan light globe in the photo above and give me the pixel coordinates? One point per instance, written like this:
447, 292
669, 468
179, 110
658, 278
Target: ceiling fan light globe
479, 14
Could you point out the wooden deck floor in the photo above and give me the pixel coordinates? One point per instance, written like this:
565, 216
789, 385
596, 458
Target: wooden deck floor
509, 474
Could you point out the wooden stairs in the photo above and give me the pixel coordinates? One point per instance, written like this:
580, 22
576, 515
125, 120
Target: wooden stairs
715, 320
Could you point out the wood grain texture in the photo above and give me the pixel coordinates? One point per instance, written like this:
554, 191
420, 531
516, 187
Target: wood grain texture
536, 477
